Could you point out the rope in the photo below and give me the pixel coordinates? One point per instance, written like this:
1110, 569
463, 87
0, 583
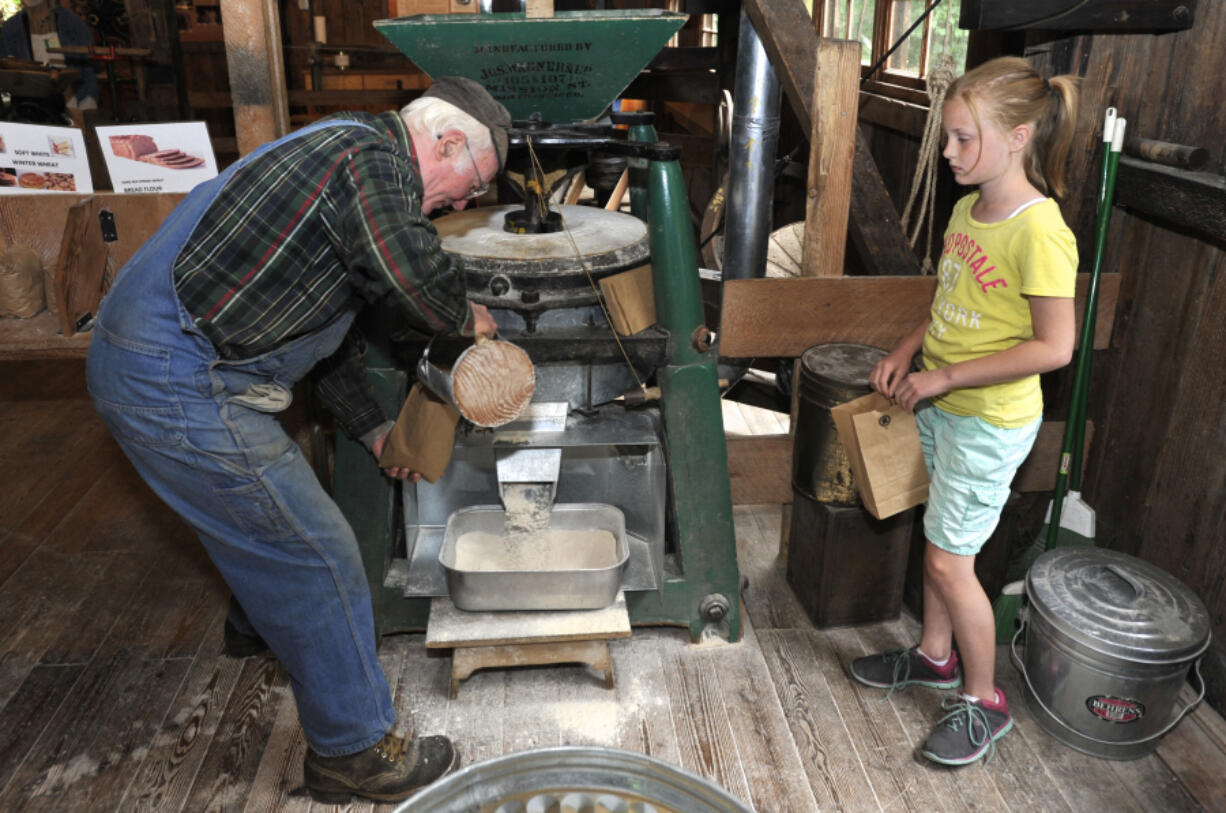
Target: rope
923, 183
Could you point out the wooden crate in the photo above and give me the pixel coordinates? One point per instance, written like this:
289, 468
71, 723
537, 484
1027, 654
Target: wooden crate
405, 8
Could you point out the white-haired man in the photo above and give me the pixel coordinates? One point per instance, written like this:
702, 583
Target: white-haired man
251, 283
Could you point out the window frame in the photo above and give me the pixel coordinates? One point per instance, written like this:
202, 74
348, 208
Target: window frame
886, 82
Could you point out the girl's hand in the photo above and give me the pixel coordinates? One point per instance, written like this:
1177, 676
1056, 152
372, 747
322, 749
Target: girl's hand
888, 373
918, 386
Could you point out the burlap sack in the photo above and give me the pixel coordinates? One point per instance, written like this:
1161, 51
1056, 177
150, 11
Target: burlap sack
53, 304
21, 283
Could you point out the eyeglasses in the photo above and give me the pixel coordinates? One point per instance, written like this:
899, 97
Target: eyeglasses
477, 191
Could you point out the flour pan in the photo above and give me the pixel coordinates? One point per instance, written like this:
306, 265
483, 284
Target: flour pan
541, 588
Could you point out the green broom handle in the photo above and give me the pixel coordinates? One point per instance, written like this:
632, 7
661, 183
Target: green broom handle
1103, 213
1086, 346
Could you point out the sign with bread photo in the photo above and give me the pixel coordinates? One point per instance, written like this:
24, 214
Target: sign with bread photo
157, 157
38, 159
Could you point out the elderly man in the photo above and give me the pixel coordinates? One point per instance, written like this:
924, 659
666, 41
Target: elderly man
252, 282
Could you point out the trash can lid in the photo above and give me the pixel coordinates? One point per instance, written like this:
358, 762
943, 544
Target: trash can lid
842, 362
1118, 605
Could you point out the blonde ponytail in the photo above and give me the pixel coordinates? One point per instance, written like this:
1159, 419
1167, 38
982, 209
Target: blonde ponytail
1010, 92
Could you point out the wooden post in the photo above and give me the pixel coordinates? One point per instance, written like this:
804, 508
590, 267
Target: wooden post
252, 31
538, 8
619, 192
831, 157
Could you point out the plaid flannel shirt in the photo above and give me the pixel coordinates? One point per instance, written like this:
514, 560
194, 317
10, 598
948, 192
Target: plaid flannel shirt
308, 230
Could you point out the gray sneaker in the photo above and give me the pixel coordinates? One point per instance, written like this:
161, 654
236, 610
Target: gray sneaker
969, 730
896, 668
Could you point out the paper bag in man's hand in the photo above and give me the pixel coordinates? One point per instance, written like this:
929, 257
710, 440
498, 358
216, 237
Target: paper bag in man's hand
423, 436
883, 446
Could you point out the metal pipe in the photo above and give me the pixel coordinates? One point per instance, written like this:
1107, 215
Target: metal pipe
751, 177
252, 32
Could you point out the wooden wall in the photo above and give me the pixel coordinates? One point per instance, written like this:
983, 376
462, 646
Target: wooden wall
1157, 470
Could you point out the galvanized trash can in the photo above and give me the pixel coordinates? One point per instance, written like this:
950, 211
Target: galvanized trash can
572, 777
1109, 640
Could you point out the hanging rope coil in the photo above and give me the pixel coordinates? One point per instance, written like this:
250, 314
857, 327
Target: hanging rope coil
923, 184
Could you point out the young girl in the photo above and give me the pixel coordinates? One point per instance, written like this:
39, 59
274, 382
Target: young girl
1002, 314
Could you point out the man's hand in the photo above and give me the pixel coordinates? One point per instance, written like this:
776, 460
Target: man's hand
395, 472
483, 323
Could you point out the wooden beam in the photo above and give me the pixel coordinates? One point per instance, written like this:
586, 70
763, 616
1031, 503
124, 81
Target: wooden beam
686, 59
831, 153
342, 98
1178, 197
894, 114
760, 469
790, 40
1077, 15
699, 88
785, 317
39, 338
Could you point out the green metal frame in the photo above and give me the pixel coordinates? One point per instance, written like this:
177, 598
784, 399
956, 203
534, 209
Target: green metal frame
701, 589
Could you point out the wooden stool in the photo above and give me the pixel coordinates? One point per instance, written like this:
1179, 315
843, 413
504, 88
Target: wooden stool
505, 639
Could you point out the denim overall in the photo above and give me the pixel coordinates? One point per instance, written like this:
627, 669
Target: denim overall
201, 432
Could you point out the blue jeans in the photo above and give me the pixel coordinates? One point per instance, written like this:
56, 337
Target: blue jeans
202, 433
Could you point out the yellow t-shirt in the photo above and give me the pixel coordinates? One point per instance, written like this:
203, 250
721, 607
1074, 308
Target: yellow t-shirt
986, 273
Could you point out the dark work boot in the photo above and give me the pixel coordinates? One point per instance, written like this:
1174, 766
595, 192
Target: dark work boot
388, 771
241, 645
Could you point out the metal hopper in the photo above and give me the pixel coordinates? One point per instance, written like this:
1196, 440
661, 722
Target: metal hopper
563, 68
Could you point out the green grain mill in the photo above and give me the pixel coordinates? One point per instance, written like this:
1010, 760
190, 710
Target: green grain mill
662, 464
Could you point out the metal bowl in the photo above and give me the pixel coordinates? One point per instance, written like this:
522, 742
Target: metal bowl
573, 779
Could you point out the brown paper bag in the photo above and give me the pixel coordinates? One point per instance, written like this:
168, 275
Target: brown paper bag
883, 446
423, 436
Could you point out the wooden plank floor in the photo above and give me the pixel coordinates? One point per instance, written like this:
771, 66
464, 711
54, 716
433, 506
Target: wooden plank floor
114, 695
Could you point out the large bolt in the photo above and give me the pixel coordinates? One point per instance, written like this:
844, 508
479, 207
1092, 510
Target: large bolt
499, 285
702, 338
714, 607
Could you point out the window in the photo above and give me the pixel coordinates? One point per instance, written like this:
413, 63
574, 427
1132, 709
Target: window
707, 28
879, 24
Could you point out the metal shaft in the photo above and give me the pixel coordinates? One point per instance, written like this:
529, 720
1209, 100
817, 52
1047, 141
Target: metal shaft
755, 140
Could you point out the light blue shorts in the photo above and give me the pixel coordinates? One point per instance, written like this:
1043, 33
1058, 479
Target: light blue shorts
971, 463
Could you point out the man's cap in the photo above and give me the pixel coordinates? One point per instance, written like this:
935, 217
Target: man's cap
471, 97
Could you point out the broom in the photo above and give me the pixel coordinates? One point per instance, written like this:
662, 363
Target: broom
1071, 521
